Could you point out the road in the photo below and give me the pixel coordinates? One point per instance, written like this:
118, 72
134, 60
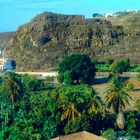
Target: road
43, 74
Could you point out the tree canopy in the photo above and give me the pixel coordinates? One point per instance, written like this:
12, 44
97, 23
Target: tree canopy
30, 109
117, 95
117, 98
75, 69
120, 66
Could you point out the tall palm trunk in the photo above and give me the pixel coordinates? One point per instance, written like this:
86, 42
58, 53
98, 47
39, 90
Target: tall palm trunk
120, 120
117, 97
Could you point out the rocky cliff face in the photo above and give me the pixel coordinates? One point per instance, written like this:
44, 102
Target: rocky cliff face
43, 42
4, 41
130, 21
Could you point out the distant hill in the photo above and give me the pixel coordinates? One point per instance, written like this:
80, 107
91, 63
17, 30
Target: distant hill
49, 37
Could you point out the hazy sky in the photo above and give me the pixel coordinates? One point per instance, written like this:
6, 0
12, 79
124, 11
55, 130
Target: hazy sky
14, 13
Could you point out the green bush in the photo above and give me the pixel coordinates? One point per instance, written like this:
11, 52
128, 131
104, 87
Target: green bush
49, 80
125, 135
134, 68
115, 67
102, 67
31, 83
109, 134
124, 65
120, 66
45, 113
129, 87
137, 105
130, 123
138, 76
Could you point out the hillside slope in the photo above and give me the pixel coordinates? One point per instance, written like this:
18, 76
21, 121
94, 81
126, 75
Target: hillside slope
43, 42
5, 40
130, 21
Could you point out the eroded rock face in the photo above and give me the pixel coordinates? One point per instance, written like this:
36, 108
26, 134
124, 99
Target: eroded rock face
5, 39
49, 37
131, 27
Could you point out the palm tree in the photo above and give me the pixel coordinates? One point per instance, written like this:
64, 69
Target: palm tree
94, 104
69, 107
10, 87
70, 112
76, 100
117, 98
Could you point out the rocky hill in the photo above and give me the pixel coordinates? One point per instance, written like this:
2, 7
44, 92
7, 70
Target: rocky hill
4, 41
42, 43
130, 21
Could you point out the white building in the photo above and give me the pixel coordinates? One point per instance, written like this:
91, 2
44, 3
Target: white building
2, 63
7, 64
108, 14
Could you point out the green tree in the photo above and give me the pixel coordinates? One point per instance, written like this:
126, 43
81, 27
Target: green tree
129, 87
75, 69
120, 66
23, 129
80, 108
44, 112
76, 100
137, 105
50, 127
81, 123
117, 97
115, 67
97, 15
125, 64
109, 134
31, 83
11, 87
131, 121
68, 103
138, 76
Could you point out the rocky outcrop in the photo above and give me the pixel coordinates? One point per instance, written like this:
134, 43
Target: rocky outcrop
49, 37
5, 40
130, 21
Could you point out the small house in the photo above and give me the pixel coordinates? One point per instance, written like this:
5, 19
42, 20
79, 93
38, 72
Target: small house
7, 64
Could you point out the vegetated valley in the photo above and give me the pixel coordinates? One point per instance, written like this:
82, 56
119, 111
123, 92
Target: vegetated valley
80, 100
98, 84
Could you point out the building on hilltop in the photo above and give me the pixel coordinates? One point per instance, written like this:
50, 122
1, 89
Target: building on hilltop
108, 14
7, 64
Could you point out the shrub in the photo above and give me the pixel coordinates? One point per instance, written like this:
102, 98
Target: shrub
138, 76
120, 66
137, 105
129, 87
109, 134
115, 67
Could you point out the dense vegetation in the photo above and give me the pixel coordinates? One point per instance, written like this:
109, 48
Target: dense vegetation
75, 69
38, 110
116, 66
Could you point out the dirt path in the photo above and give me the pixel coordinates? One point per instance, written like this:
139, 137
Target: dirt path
43, 74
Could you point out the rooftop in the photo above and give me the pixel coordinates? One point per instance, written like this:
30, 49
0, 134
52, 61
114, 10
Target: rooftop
80, 136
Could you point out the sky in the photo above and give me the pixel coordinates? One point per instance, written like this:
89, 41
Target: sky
14, 13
